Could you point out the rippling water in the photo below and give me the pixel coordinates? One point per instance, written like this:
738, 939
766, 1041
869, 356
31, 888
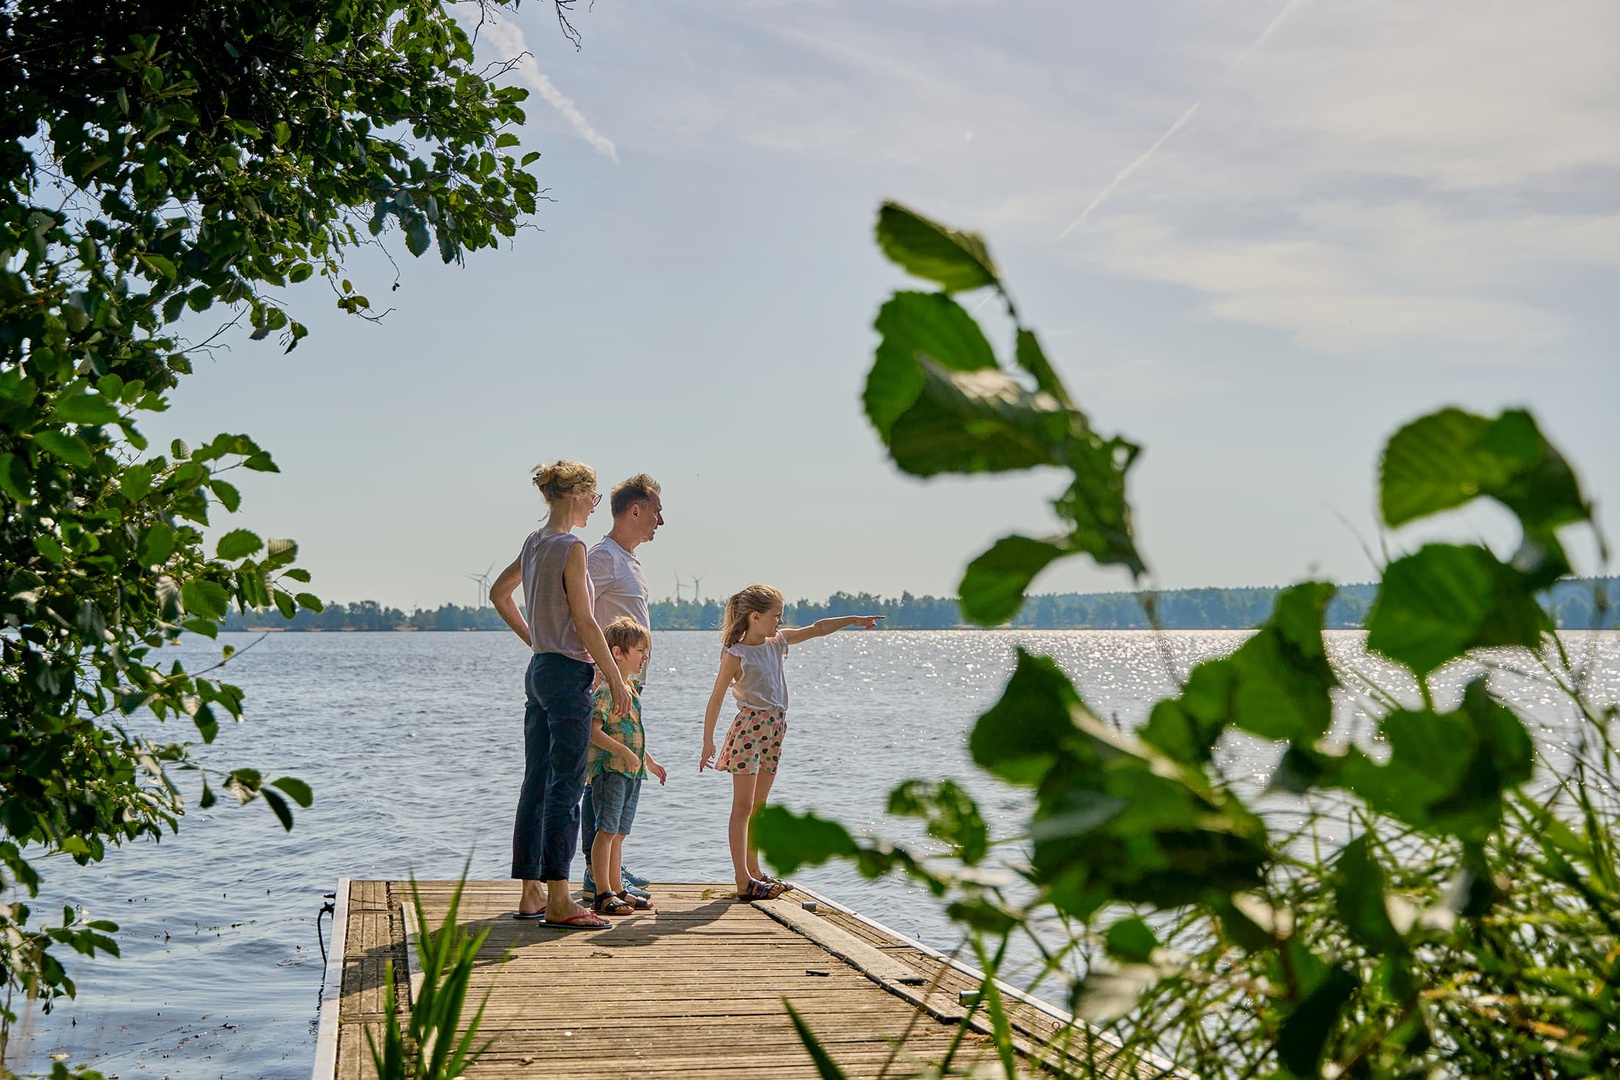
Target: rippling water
413, 743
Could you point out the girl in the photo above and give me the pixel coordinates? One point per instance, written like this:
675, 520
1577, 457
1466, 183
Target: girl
563, 633
751, 665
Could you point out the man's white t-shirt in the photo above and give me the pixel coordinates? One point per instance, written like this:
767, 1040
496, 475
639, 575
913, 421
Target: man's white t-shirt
619, 584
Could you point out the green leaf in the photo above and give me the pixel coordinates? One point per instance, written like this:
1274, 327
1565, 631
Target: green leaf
1278, 685
310, 602
14, 480
298, 790
285, 603
205, 598
279, 806
1305, 1033
914, 324
978, 421
136, 482
227, 494
994, 584
86, 408
955, 260
1130, 940
1358, 899
157, 544
49, 547
70, 448
950, 812
1020, 737
279, 551
237, 544
1032, 358
417, 237
792, 840
207, 723
1447, 772
1450, 457
1443, 600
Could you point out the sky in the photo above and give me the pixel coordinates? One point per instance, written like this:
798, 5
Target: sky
1255, 237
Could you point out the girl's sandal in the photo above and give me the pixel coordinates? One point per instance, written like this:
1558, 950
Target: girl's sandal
787, 886
637, 902
761, 890
609, 904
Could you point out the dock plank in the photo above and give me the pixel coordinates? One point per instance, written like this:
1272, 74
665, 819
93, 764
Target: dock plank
695, 989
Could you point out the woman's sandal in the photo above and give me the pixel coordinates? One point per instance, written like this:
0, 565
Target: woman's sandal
610, 904
787, 886
637, 902
761, 890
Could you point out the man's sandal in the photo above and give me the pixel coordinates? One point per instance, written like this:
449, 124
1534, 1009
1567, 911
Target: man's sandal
609, 904
640, 903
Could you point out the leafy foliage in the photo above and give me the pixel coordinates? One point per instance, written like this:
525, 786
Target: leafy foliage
1466, 923
432, 1044
942, 403
162, 162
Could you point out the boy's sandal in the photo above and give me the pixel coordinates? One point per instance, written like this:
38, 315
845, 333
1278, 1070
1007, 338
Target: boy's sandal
640, 903
609, 904
761, 890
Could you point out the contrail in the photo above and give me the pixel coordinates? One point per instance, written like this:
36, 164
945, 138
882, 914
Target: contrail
508, 40
1180, 123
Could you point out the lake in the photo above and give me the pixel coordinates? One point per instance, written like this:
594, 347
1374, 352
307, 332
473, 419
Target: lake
413, 744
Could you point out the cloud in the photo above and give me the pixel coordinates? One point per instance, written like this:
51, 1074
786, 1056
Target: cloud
1392, 172
1354, 175
506, 40
1355, 279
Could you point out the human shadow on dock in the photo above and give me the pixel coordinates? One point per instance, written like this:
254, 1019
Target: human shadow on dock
631, 931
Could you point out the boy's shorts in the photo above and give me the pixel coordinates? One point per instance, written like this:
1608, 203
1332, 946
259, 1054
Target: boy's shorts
614, 796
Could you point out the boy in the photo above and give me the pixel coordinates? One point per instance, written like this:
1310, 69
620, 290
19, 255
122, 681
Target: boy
617, 768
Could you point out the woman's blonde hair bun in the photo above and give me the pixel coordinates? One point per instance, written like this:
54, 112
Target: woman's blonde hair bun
560, 478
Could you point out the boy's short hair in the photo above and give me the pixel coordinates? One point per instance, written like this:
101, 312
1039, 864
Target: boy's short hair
638, 489
625, 633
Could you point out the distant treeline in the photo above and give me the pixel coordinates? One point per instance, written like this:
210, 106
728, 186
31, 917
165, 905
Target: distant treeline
1575, 605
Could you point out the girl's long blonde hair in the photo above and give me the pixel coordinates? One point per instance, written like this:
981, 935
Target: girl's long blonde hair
755, 598
561, 478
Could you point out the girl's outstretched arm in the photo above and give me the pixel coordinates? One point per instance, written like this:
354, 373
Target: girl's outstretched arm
823, 627
730, 668
500, 594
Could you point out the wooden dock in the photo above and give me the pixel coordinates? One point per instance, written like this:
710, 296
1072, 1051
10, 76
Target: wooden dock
693, 990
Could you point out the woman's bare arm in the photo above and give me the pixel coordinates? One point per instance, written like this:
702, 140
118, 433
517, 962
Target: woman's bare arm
500, 594
580, 603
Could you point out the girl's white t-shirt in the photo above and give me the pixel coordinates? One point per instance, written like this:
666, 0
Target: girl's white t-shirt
762, 684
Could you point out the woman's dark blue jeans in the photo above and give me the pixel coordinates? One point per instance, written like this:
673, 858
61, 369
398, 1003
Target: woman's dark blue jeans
556, 740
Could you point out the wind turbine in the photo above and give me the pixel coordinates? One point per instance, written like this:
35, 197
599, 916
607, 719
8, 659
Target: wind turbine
677, 586
697, 586
483, 585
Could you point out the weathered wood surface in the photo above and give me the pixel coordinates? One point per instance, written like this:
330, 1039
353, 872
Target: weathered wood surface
693, 990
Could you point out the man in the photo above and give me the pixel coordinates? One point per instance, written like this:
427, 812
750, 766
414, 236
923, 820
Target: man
621, 589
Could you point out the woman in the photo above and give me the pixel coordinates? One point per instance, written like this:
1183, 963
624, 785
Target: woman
562, 631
